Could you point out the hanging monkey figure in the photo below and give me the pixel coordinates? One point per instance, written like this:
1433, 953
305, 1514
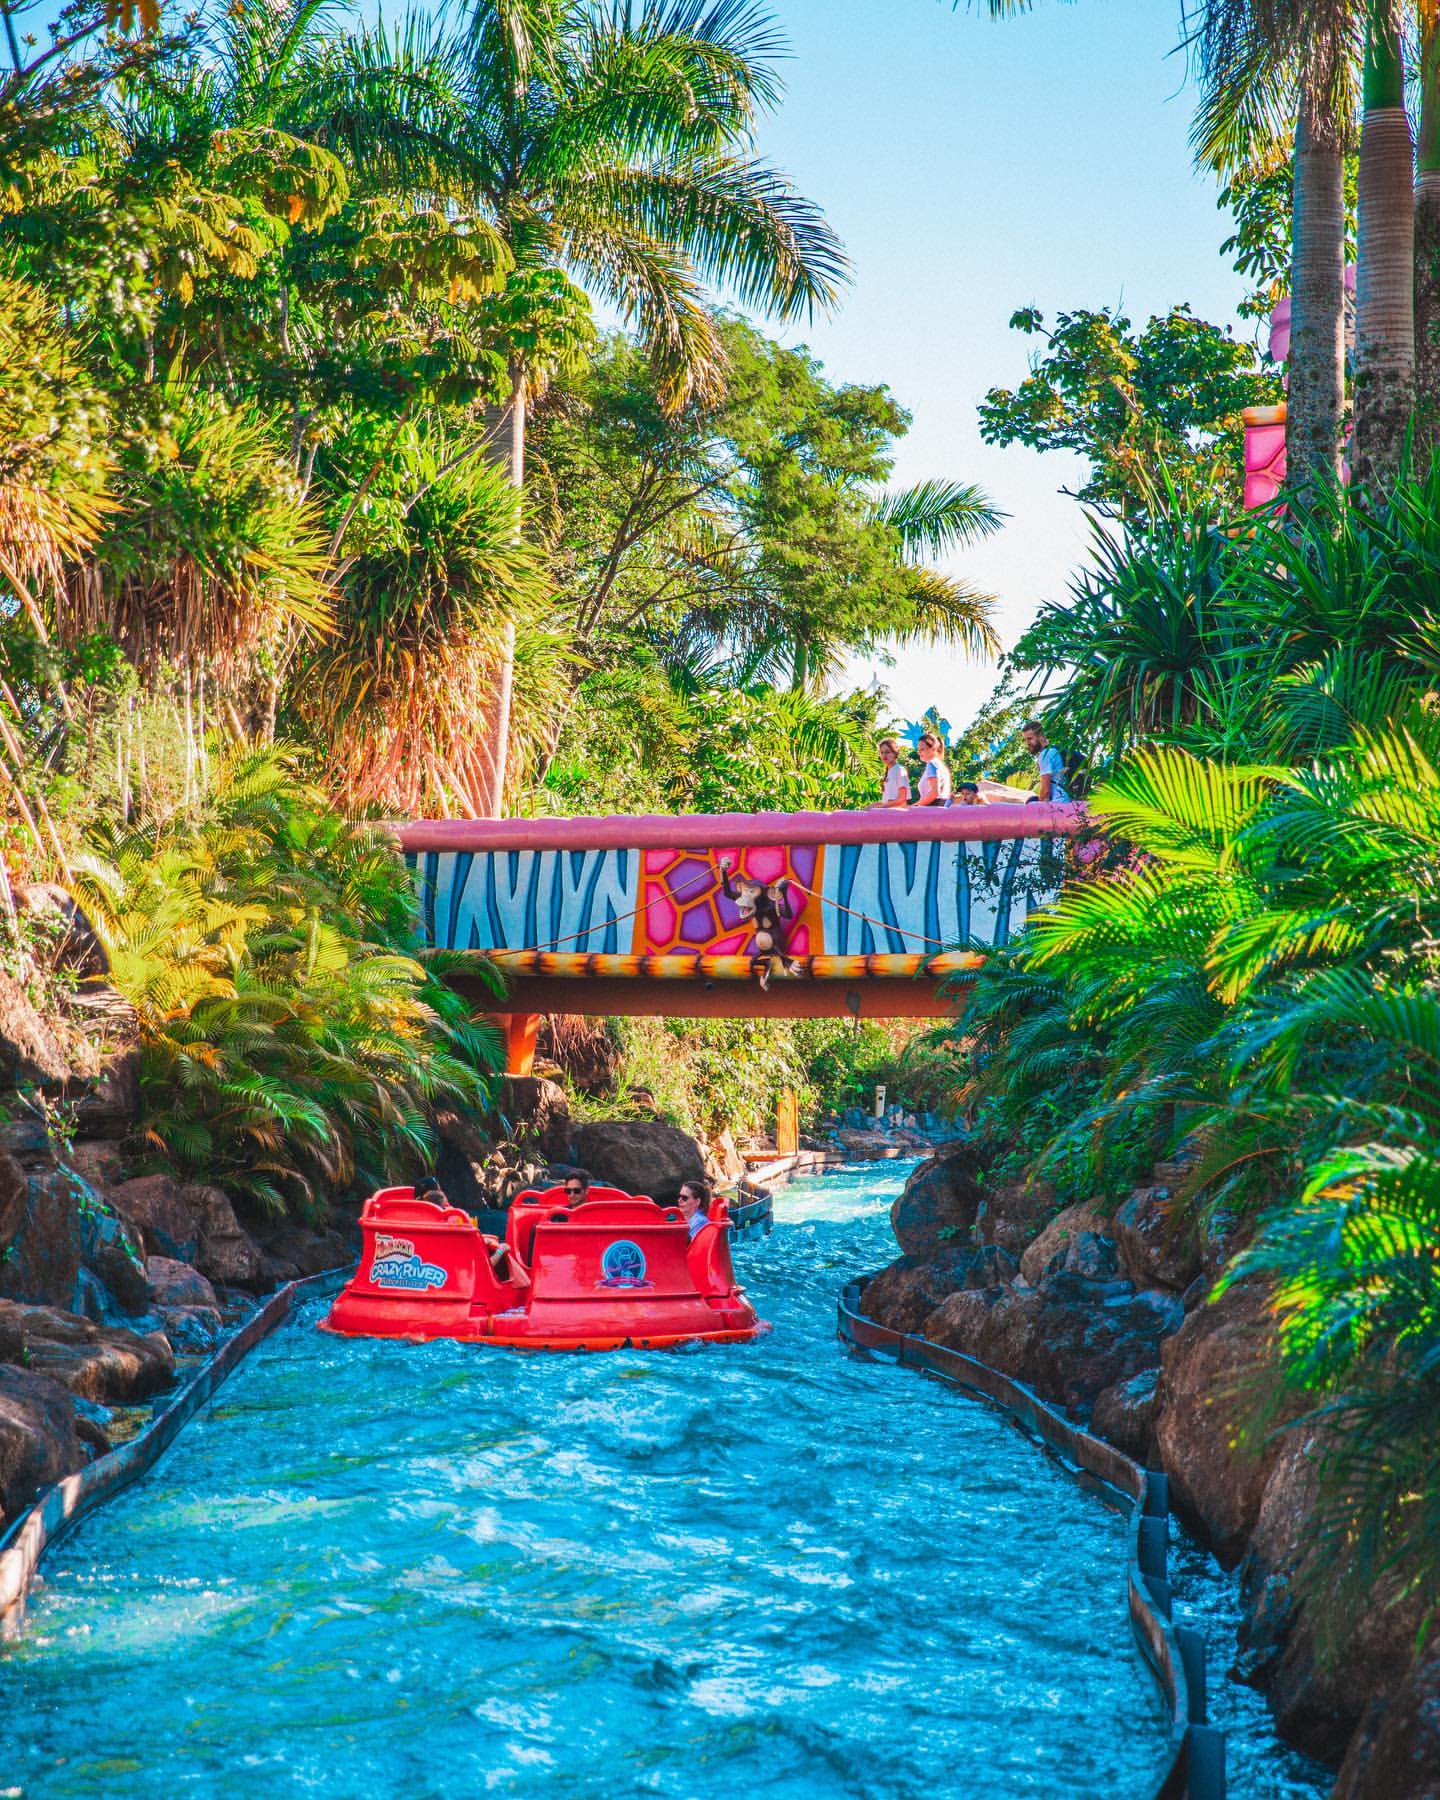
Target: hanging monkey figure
764, 905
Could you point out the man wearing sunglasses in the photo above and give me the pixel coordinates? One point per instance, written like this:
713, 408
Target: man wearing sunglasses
577, 1187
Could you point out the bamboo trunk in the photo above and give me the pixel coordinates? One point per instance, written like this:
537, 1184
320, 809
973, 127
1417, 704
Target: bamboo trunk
495, 742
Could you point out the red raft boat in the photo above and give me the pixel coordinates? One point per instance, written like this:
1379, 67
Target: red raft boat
617, 1270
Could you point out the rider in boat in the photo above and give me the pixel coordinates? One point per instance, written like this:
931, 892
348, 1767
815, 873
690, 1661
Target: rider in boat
577, 1187
694, 1203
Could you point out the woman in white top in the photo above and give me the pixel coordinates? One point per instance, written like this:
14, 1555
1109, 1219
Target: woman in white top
935, 776
896, 791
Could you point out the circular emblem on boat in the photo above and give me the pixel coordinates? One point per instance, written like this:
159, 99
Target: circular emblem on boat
623, 1264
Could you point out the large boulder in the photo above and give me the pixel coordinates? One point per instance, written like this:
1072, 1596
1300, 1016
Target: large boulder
193, 1223
46, 1250
185, 1303
937, 1207
1395, 1753
643, 1156
910, 1289
1055, 1238
38, 1438
1157, 1248
112, 1249
539, 1114
107, 1104
1011, 1212
295, 1251
95, 1362
30, 1048
1069, 1346
1211, 1367
1124, 1414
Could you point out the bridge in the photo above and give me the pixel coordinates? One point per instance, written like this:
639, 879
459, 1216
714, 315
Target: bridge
878, 914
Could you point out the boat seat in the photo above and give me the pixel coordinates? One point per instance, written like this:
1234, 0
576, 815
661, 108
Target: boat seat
532, 1205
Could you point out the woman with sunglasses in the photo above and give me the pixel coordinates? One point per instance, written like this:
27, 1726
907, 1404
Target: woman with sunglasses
935, 779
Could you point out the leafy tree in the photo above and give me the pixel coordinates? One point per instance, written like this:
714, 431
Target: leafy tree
1156, 414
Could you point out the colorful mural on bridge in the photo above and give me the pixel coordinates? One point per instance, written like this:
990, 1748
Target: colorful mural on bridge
911, 899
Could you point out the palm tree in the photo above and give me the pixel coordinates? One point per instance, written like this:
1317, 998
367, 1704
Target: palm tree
614, 144
1427, 242
1385, 275
1269, 68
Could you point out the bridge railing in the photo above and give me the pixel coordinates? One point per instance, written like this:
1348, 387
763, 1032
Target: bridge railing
876, 892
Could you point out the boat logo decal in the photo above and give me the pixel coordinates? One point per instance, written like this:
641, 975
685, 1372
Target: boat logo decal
397, 1265
623, 1265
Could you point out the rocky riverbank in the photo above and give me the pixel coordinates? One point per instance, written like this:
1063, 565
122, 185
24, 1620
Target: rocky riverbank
1115, 1318
106, 1283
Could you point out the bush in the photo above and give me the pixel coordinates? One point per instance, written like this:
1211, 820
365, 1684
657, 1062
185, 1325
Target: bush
294, 1046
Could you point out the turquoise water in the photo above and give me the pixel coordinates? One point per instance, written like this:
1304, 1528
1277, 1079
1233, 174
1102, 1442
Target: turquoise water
762, 1572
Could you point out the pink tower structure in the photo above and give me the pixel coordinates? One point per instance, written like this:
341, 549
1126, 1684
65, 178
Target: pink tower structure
1265, 425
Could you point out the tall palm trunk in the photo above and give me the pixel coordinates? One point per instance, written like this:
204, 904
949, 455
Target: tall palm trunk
1385, 279
1427, 245
509, 439
1316, 393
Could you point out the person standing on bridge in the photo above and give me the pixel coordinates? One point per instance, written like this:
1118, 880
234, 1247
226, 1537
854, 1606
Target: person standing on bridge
896, 791
1049, 763
935, 776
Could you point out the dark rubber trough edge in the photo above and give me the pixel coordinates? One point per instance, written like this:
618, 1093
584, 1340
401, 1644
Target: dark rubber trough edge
1176, 1657
62, 1506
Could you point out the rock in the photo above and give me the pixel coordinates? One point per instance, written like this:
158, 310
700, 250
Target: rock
1012, 1212
1328, 1678
539, 1111
74, 943
1210, 1364
1070, 1351
97, 1161
172, 1283
990, 1266
155, 1205
1124, 1414
1056, 1237
1156, 1249
97, 1362
13, 1189
959, 1322
643, 1156
108, 1104
193, 1223
112, 1248
44, 1257
938, 1204
904, 1295
460, 1160
39, 1440
295, 1251
1395, 1752
185, 1303
30, 1050
1090, 1255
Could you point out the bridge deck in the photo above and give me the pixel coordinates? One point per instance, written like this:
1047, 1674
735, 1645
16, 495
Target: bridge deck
875, 912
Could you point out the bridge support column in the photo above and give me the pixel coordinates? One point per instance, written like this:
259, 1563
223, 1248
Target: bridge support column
519, 1031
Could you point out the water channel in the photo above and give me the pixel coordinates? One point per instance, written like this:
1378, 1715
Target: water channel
772, 1571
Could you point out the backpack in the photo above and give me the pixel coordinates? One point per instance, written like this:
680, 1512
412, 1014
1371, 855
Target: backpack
1077, 774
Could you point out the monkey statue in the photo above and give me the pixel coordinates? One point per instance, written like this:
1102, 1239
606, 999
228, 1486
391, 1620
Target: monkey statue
764, 906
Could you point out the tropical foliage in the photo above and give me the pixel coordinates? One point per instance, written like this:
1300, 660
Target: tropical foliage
294, 1045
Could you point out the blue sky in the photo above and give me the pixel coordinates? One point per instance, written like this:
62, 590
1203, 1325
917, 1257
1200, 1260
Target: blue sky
972, 168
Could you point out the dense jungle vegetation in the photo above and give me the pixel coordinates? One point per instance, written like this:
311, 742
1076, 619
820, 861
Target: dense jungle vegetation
324, 497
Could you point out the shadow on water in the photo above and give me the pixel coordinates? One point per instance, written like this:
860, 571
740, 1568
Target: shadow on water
761, 1571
